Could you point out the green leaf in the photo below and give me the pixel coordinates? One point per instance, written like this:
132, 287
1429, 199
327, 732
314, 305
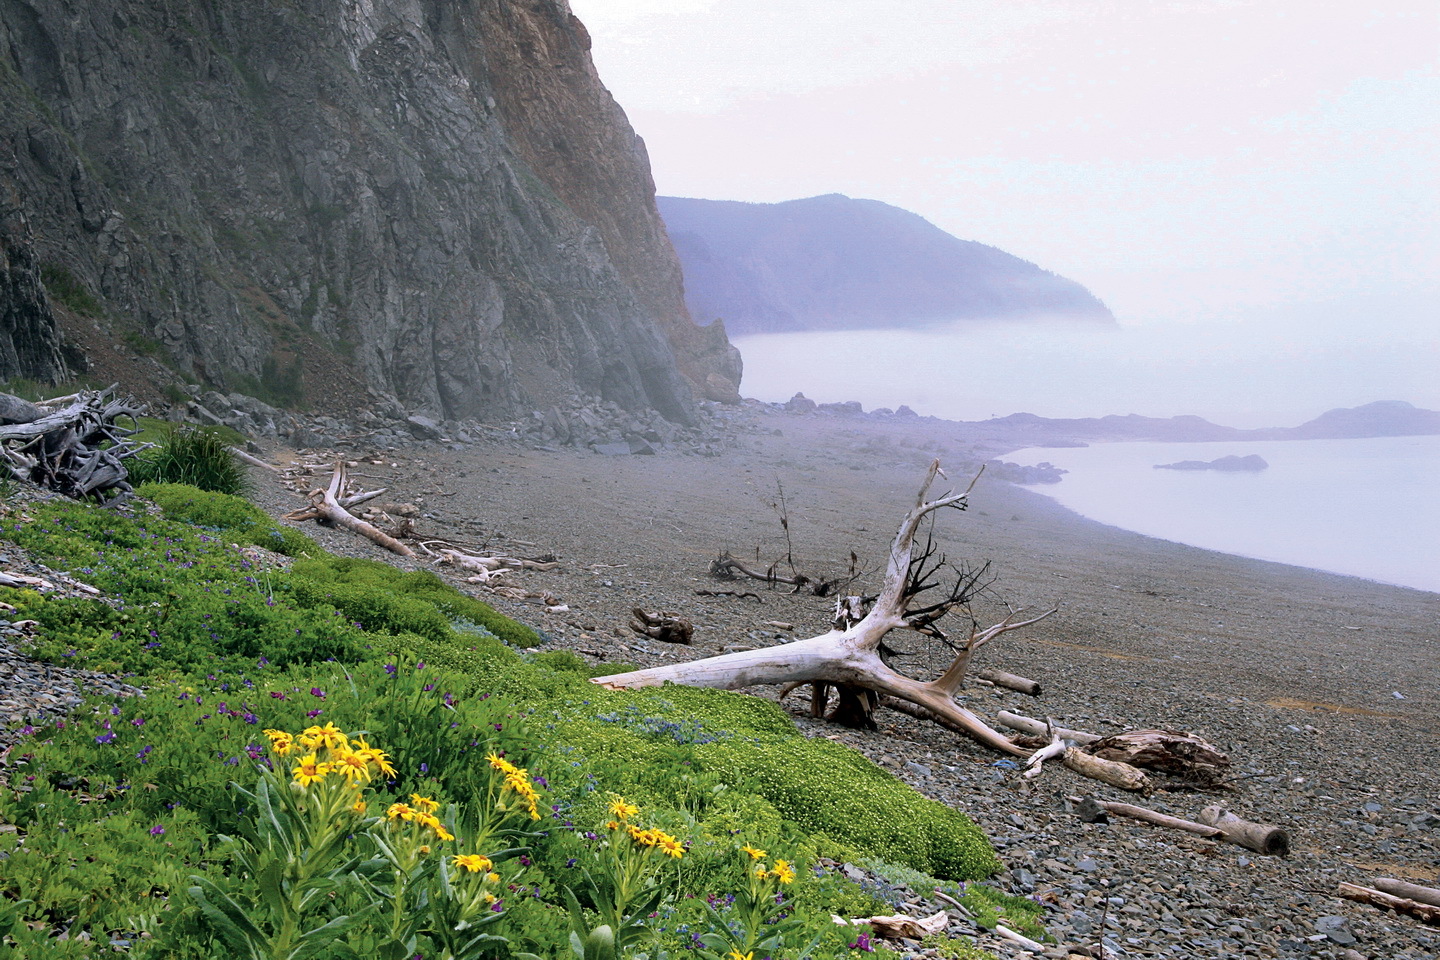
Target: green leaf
229, 918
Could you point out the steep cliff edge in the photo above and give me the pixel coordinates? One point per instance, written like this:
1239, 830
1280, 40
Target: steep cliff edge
29, 338
268, 193
836, 263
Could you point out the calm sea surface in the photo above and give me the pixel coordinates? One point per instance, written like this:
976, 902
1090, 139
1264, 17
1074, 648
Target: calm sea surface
1368, 508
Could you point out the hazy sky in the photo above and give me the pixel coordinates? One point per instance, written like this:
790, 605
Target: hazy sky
1186, 160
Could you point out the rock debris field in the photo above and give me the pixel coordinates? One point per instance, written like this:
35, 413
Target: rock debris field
1322, 689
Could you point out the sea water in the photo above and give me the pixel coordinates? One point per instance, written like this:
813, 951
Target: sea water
1368, 508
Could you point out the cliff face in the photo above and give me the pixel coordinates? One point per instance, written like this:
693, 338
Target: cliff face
29, 341
833, 263
268, 191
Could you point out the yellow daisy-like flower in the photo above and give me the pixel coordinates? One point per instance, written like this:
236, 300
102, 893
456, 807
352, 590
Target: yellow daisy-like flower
310, 770
473, 862
612, 825
400, 811
352, 765
754, 853
490, 897
621, 810
783, 872
431, 821
424, 803
373, 756
498, 762
329, 736
359, 807
671, 846
761, 872
735, 954
493, 877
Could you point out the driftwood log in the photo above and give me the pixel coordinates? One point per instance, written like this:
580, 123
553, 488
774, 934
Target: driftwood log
726, 567
1113, 772
1170, 751
1409, 891
325, 507
849, 655
74, 445
1262, 838
1010, 681
1426, 912
1038, 728
662, 626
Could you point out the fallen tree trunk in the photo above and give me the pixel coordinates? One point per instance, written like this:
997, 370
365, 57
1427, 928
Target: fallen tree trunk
1409, 891
1116, 774
1038, 728
1010, 681
849, 655
325, 506
726, 567
1261, 837
1429, 913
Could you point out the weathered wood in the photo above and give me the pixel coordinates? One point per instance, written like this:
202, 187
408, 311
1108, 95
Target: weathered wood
325, 505
1426, 912
1153, 817
255, 461
664, 626
1037, 728
1409, 891
1010, 681
1174, 752
1261, 837
1120, 775
77, 449
726, 567
850, 653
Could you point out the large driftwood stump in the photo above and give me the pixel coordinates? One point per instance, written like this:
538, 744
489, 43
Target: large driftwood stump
849, 655
325, 507
74, 445
1173, 752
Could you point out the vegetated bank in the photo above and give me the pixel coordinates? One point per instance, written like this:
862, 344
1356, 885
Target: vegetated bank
252, 642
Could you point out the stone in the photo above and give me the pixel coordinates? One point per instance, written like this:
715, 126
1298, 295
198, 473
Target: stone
1336, 930
612, 449
424, 428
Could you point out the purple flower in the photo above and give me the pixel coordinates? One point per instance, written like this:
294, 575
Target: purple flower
277, 694
313, 713
157, 831
105, 738
317, 692
424, 768
497, 906
250, 717
428, 687
390, 669
144, 752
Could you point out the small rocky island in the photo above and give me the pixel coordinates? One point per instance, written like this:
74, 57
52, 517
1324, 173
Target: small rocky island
1252, 463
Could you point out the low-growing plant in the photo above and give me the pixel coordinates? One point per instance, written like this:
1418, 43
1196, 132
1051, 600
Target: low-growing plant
239, 518
197, 456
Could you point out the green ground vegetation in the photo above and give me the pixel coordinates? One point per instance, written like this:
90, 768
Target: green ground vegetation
214, 816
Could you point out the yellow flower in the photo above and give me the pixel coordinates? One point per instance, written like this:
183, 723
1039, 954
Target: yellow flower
424, 803
783, 872
310, 770
352, 765
328, 736
360, 807
498, 762
400, 811
493, 877
735, 954
612, 825
490, 897
374, 756
671, 846
754, 854
280, 742
473, 862
621, 810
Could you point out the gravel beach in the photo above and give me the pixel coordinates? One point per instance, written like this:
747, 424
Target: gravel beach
1322, 689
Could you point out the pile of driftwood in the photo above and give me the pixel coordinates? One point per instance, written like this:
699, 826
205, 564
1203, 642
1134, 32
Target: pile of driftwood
74, 445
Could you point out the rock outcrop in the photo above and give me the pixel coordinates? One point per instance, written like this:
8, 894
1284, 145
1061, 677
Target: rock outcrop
29, 340
436, 194
1250, 463
834, 263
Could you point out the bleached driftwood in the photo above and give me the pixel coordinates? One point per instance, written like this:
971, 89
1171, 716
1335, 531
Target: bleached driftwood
897, 926
1261, 837
1271, 841
253, 460
1024, 942
477, 564
849, 654
1037, 728
1120, 775
663, 626
325, 507
73, 445
1010, 681
1409, 891
726, 567
1426, 912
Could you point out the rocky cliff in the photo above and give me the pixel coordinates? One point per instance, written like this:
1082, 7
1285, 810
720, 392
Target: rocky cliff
436, 195
29, 339
835, 263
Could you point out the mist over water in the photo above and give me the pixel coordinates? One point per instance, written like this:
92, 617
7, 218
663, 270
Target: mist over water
1360, 507
1274, 372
